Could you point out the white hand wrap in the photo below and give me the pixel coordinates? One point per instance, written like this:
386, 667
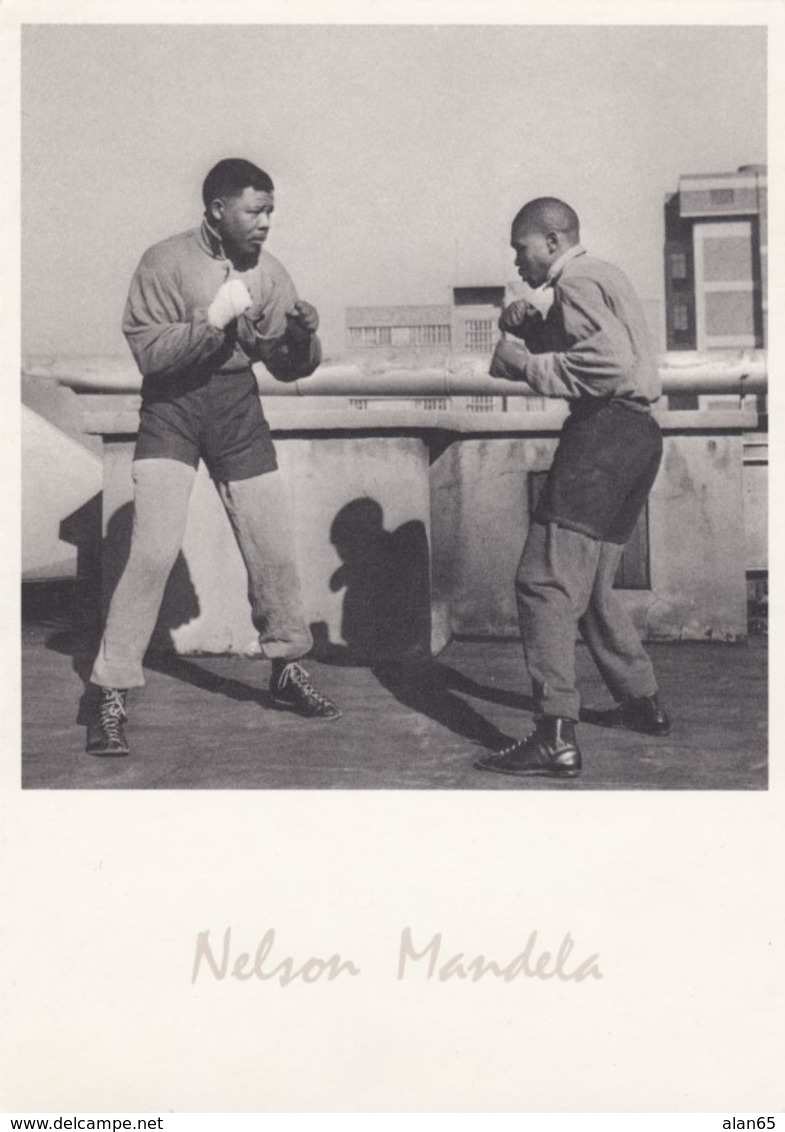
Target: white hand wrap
231, 301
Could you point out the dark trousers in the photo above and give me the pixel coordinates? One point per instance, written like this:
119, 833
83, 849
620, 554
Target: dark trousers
565, 584
604, 468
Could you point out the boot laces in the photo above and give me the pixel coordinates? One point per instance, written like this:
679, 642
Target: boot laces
294, 673
516, 746
113, 712
536, 732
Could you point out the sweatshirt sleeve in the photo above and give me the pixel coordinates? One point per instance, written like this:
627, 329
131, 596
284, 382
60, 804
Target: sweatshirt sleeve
265, 335
600, 359
163, 338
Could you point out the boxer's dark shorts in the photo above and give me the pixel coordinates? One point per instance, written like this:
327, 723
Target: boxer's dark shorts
219, 420
605, 464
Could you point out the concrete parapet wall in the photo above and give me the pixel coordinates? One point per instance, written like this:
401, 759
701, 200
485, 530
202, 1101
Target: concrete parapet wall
697, 546
361, 512
61, 481
479, 494
409, 531
480, 503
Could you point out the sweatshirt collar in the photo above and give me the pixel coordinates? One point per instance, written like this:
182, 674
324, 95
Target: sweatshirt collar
556, 268
210, 241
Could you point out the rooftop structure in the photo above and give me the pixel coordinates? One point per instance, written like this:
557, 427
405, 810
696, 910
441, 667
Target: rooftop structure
716, 232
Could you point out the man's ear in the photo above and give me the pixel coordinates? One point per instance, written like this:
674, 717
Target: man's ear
215, 209
553, 241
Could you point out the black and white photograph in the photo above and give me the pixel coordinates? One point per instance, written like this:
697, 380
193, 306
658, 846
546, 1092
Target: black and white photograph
394, 518
363, 407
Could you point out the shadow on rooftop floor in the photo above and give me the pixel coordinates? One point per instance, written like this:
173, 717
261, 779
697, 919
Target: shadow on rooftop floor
207, 722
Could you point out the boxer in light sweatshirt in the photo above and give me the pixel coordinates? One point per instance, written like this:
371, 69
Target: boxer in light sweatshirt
592, 349
202, 306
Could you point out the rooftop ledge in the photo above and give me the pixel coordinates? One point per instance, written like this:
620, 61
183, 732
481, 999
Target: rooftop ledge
735, 372
117, 414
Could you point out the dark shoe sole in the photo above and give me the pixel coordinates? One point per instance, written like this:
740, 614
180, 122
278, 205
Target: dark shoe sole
107, 753
282, 705
659, 733
529, 772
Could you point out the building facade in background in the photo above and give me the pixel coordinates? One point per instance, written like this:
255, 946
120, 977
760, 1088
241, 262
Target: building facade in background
468, 324
398, 328
716, 298
419, 335
716, 231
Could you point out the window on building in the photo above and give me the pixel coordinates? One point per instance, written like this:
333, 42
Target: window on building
481, 404
678, 261
369, 336
726, 292
680, 316
721, 196
479, 335
431, 402
431, 335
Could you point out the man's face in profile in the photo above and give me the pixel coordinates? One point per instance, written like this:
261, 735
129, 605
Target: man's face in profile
243, 221
534, 253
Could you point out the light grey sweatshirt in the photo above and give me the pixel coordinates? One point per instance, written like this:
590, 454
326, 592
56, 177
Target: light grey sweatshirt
165, 319
593, 342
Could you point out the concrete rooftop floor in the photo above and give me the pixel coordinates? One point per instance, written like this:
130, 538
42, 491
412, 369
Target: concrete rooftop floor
207, 722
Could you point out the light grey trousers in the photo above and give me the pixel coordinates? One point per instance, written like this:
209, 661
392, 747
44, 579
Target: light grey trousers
260, 517
564, 584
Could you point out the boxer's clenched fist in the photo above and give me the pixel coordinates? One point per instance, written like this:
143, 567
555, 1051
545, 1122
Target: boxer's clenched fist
514, 316
509, 360
303, 319
232, 299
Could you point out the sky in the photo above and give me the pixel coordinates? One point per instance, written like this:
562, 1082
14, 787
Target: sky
399, 153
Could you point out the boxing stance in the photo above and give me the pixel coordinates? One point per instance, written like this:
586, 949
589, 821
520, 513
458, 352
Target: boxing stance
202, 306
593, 349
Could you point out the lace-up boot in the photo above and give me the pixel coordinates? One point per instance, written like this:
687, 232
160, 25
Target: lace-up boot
291, 688
644, 714
106, 732
551, 749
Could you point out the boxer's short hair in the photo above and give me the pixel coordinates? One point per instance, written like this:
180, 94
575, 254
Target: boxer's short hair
230, 177
548, 214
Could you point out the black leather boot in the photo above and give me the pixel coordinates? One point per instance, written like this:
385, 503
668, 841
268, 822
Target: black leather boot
106, 732
551, 749
643, 714
291, 688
